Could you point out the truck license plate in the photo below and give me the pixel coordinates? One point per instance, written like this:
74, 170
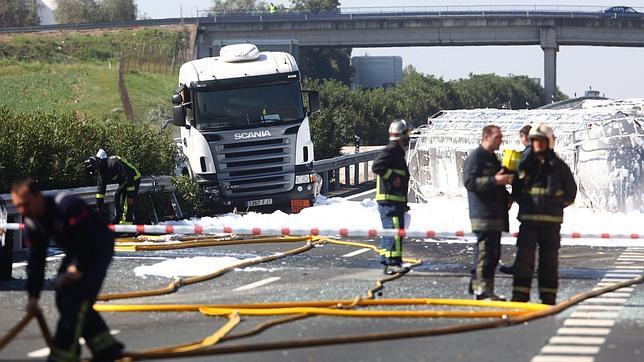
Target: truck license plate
260, 202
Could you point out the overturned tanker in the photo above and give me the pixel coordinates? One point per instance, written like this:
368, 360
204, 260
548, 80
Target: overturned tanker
601, 140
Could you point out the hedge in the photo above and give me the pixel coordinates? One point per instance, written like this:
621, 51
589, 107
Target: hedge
50, 147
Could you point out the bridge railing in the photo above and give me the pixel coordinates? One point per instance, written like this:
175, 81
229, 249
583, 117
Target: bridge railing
331, 168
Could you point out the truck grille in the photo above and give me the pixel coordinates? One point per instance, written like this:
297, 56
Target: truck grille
255, 168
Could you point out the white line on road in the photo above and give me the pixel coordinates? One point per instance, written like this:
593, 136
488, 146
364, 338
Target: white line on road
558, 358
616, 295
595, 315
356, 252
600, 307
589, 322
606, 301
584, 331
577, 340
258, 283
620, 275
44, 352
626, 271
570, 349
636, 267
618, 291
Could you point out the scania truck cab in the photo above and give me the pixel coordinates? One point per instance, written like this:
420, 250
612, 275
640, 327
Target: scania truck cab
245, 130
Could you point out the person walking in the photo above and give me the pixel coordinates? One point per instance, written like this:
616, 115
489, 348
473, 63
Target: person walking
392, 183
88, 245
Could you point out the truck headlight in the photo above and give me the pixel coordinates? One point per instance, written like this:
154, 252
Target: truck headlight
304, 179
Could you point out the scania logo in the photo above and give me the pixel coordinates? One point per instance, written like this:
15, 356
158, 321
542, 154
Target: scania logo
256, 134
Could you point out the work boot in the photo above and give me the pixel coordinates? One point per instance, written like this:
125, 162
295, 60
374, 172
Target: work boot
394, 269
507, 269
484, 290
492, 297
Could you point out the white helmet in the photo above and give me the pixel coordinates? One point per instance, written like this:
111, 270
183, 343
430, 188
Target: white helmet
544, 131
398, 128
101, 154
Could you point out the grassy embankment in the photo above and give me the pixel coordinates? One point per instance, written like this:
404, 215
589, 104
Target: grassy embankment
79, 71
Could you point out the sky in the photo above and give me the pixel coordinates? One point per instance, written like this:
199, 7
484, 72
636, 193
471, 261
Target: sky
615, 72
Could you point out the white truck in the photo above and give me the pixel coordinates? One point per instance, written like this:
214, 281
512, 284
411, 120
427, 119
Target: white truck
245, 129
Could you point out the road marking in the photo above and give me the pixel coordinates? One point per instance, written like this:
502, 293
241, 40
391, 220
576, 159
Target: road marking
600, 307
360, 194
638, 267
616, 295
571, 349
589, 322
620, 275
44, 352
606, 300
594, 315
558, 358
258, 283
577, 340
356, 252
584, 331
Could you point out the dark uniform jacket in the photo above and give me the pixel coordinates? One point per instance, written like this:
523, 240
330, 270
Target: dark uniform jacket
488, 201
114, 170
77, 229
390, 164
544, 186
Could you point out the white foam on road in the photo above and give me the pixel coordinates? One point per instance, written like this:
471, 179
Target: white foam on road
439, 214
189, 267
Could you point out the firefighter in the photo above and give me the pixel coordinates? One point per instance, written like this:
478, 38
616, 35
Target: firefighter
88, 245
544, 186
391, 193
525, 142
489, 201
115, 169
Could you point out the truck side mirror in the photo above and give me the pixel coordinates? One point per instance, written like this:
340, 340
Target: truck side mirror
179, 116
314, 101
176, 99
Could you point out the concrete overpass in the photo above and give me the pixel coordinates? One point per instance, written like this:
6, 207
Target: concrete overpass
548, 29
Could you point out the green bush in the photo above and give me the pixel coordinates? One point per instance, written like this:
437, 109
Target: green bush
51, 147
191, 196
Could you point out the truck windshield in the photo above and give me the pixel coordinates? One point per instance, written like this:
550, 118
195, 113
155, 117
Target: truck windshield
249, 107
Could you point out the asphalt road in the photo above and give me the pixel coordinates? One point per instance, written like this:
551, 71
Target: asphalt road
603, 329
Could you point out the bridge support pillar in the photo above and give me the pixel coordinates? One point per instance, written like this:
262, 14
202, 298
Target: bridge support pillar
550, 49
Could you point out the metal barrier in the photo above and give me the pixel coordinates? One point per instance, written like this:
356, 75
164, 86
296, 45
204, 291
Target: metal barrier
324, 167
149, 184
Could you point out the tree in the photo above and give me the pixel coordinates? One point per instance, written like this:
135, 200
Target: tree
16, 13
315, 5
248, 5
78, 11
118, 10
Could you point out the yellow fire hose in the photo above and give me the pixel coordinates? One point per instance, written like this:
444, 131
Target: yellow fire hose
343, 339
511, 313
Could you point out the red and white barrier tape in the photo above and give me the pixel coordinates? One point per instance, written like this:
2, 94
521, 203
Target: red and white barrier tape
343, 232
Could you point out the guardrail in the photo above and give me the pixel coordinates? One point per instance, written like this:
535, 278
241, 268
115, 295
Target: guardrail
233, 15
148, 184
324, 167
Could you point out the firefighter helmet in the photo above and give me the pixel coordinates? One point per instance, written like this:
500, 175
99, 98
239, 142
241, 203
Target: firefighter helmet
101, 154
92, 164
398, 129
543, 131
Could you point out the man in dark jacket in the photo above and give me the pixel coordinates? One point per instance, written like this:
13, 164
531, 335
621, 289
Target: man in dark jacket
88, 246
488, 201
115, 169
525, 142
544, 186
392, 185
